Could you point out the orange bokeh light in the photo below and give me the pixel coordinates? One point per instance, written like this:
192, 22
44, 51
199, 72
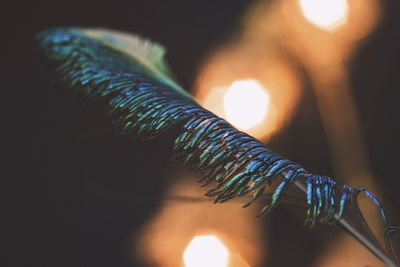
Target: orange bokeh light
261, 68
246, 102
285, 23
326, 14
206, 250
185, 214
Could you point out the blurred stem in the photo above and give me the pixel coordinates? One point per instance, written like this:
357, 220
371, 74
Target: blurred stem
342, 127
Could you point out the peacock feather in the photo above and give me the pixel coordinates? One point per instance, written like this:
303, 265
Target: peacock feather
129, 75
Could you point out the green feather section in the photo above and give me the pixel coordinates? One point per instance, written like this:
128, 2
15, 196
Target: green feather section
149, 54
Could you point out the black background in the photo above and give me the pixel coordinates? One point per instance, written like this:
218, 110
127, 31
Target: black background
74, 195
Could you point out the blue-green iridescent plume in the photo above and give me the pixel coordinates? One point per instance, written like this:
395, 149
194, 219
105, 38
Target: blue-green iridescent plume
129, 74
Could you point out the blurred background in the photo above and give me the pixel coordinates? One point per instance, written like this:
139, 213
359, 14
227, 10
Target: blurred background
321, 88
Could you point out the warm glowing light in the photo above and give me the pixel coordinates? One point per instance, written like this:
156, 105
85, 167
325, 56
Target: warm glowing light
256, 67
206, 250
326, 14
245, 103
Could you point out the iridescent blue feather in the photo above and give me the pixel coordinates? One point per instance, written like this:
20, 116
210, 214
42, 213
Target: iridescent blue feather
129, 74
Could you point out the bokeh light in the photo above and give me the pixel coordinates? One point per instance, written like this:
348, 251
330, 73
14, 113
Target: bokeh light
184, 214
326, 14
255, 88
246, 103
206, 250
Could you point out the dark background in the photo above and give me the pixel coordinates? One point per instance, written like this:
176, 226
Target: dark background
74, 193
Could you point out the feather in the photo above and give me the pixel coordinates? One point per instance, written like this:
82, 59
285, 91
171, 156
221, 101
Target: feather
129, 74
